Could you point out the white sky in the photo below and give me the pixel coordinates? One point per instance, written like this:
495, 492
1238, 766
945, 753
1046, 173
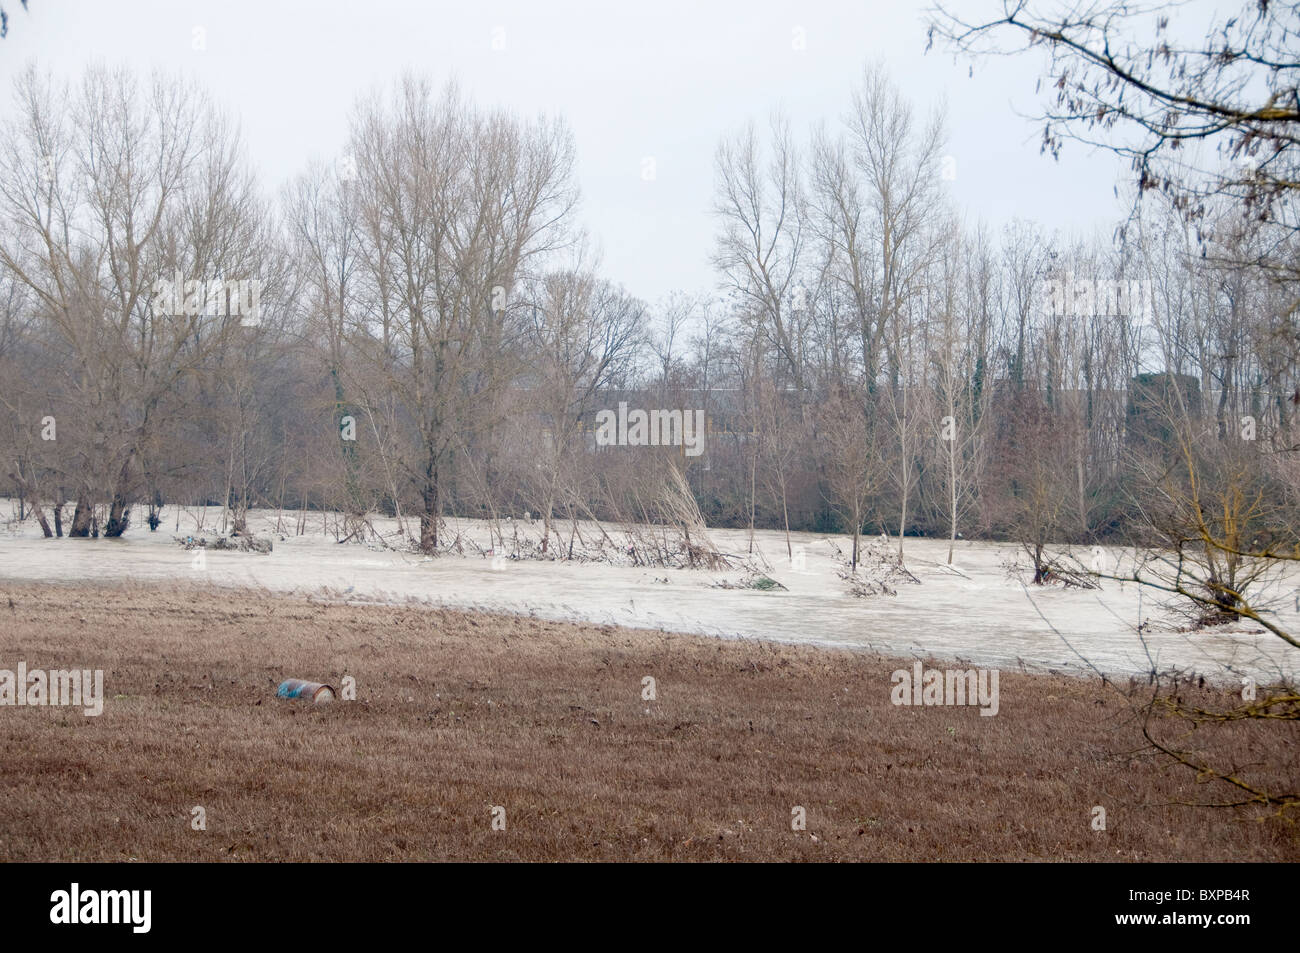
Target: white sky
665, 80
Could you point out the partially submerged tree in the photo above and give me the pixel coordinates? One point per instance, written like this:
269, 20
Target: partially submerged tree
107, 194
853, 469
456, 203
584, 333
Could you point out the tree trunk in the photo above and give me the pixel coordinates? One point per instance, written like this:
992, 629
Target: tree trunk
952, 496
230, 476
753, 491
857, 525
1083, 500
119, 517
81, 518
119, 511
548, 505
902, 524
904, 475
39, 513
429, 514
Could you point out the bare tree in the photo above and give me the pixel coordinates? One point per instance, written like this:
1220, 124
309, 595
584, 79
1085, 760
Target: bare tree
852, 468
760, 205
585, 333
961, 321
104, 193
455, 203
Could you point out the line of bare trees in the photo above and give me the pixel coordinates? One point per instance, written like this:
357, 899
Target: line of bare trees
432, 335
1205, 106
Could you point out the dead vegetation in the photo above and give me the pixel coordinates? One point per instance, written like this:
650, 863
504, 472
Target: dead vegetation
1049, 570
879, 571
460, 712
659, 525
239, 543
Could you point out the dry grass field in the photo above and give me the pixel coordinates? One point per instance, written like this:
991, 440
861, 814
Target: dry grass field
459, 712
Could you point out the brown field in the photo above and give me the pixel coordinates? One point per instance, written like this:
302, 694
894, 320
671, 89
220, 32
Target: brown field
458, 712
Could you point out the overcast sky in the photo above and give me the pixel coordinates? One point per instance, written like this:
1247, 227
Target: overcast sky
662, 80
